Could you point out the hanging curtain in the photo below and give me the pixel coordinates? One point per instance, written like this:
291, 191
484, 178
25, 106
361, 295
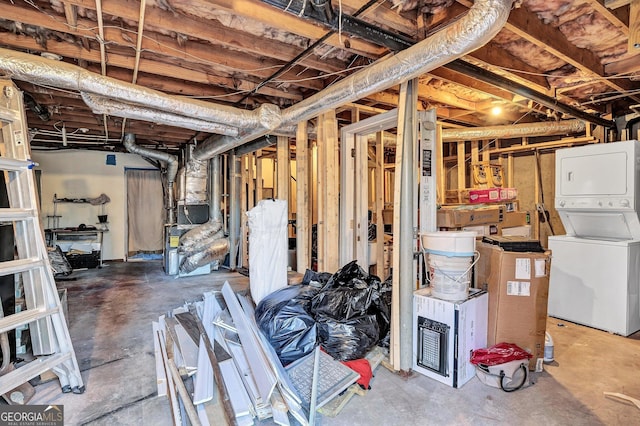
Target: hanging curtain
145, 211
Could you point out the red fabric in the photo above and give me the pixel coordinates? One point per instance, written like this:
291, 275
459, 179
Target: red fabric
499, 354
362, 367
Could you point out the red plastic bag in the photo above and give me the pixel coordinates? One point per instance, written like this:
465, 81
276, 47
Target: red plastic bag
362, 367
498, 354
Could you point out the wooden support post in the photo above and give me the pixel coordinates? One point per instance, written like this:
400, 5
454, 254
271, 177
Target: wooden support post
259, 180
303, 200
283, 168
462, 175
475, 160
321, 165
537, 197
510, 170
486, 153
440, 168
379, 203
328, 203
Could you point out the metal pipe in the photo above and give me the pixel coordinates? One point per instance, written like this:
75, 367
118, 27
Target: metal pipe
129, 142
215, 205
406, 237
234, 210
547, 128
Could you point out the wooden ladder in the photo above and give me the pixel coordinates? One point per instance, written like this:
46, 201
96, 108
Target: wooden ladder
50, 338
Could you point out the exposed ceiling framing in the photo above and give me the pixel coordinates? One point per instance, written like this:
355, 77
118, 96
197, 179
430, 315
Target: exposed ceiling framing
553, 59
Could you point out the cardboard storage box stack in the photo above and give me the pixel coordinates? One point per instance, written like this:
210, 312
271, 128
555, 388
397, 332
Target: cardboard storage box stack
445, 333
518, 286
485, 220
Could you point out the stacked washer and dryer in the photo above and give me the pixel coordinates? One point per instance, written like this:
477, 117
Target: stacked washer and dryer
595, 268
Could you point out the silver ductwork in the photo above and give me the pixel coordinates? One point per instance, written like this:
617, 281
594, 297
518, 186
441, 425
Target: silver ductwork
202, 245
193, 182
481, 23
171, 161
548, 128
103, 105
38, 70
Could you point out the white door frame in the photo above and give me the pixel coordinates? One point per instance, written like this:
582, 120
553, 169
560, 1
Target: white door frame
354, 241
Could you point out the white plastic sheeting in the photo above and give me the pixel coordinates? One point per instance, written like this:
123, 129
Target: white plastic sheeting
268, 247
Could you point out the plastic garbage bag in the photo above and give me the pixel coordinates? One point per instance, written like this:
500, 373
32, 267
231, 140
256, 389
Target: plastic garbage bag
284, 318
343, 303
381, 306
350, 339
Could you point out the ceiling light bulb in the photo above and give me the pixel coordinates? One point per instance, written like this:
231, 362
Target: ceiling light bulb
496, 110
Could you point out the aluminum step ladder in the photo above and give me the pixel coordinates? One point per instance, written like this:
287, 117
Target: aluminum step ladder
50, 338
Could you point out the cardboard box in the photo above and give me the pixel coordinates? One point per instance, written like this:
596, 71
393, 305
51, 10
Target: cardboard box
518, 286
445, 334
512, 218
482, 230
516, 231
458, 217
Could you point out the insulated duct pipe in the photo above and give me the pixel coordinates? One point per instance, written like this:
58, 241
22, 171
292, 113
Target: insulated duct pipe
547, 128
481, 23
215, 205
129, 142
102, 105
38, 70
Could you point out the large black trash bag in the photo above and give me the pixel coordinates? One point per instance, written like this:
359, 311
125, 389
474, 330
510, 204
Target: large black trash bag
343, 303
382, 304
284, 318
347, 294
350, 339
316, 279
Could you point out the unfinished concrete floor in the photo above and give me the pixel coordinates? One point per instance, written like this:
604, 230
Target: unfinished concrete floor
110, 314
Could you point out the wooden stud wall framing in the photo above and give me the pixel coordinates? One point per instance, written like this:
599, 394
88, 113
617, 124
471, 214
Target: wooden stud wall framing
283, 169
303, 204
321, 177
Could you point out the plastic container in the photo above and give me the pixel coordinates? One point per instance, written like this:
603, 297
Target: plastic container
548, 348
450, 243
449, 257
450, 277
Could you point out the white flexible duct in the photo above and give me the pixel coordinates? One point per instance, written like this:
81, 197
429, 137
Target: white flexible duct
129, 142
481, 23
38, 70
547, 128
102, 105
